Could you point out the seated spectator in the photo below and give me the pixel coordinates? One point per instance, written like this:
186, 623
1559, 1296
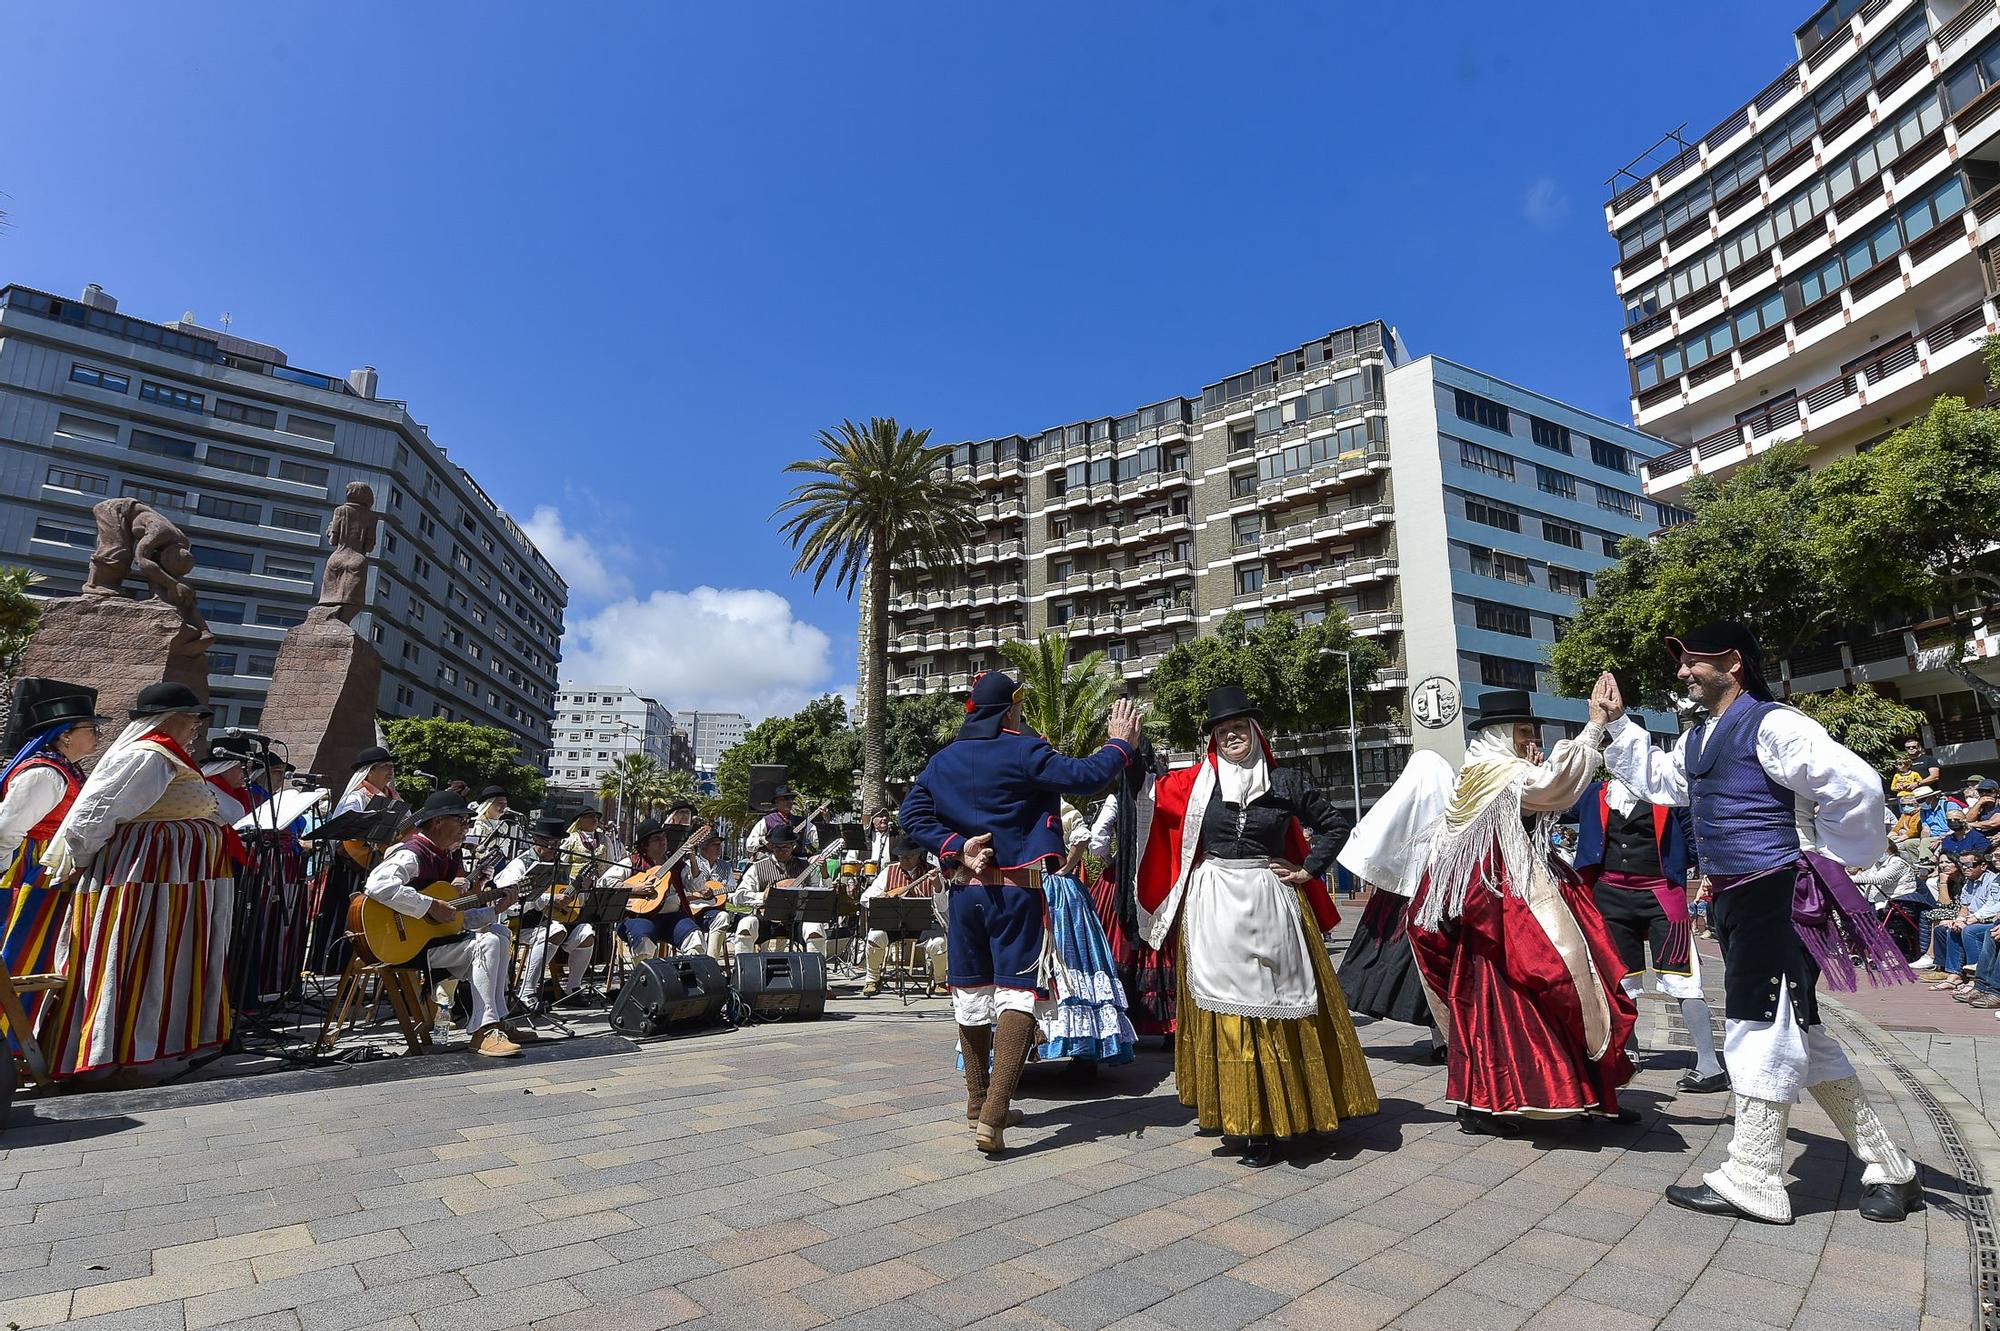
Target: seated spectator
1961, 840
1982, 808
1985, 991
1906, 833
1887, 879
1923, 762
1934, 809
1904, 779
1899, 899
1961, 940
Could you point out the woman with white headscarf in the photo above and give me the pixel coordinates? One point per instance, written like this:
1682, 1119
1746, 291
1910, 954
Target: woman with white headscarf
154, 887
1523, 974
1265, 1049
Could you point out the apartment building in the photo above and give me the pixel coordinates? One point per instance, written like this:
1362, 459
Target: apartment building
249, 454
709, 735
1819, 267
598, 724
1451, 516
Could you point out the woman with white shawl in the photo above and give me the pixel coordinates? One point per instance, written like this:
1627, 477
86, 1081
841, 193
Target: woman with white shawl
1522, 972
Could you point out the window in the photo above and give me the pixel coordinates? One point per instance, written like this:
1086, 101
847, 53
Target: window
1242, 486
220, 612
222, 663
215, 556
310, 428
260, 666
293, 520
250, 464
229, 510
1504, 516
1562, 533
427, 525
245, 414
166, 395
145, 441
88, 482
154, 497
1548, 434
96, 378
1610, 545
1497, 618
1568, 582
302, 472
1670, 515
1250, 579
1250, 530
1558, 483
1498, 672
82, 427
1610, 456
61, 535
1617, 501
1242, 438
1483, 459
273, 617
300, 570
1481, 411
1499, 564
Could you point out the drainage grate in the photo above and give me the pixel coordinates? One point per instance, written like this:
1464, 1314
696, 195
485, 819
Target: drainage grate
1977, 1201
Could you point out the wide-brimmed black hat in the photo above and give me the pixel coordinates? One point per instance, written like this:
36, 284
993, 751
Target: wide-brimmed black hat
587, 811
782, 832
167, 698
493, 793
783, 792
906, 846
1501, 706
679, 806
443, 804
41, 703
368, 757
1229, 702
547, 828
1726, 635
648, 827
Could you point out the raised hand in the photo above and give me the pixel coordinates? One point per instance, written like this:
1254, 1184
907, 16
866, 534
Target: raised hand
1607, 703
1125, 721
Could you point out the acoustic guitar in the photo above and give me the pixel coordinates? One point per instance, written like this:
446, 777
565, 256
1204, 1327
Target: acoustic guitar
650, 890
385, 934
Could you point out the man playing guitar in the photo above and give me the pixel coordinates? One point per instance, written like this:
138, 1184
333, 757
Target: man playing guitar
667, 927
538, 864
710, 879
910, 876
780, 866
803, 831
477, 956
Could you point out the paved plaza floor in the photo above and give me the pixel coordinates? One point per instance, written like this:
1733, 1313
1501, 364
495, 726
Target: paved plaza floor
808, 1175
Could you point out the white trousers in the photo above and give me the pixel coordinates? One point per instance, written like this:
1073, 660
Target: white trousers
1780, 1060
480, 961
932, 943
749, 928
981, 1005
576, 944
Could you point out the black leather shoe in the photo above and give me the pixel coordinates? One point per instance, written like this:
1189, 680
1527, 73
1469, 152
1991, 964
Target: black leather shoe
1260, 1152
1697, 1084
1478, 1124
1440, 1054
1890, 1202
1708, 1201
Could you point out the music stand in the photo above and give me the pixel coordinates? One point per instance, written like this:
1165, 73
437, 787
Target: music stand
798, 905
903, 919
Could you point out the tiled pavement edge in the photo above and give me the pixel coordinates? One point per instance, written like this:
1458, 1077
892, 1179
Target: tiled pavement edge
821, 1175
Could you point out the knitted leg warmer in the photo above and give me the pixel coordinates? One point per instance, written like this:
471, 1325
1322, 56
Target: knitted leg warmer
1847, 1105
975, 1043
1010, 1052
1753, 1177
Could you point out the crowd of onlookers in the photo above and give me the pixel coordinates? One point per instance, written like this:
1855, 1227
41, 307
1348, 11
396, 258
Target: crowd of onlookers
1937, 884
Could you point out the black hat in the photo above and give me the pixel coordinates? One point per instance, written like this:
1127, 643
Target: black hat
168, 698
493, 793
678, 805
443, 804
648, 827
587, 811
1726, 635
1500, 706
548, 828
231, 748
368, 757
1229, 702
907, 845
41, 703
780, 792
782, 834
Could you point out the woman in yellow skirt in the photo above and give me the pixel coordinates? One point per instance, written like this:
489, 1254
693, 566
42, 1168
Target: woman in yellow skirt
1266, 1049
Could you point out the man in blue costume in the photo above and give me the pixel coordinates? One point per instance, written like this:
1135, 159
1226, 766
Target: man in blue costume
1777, 808
989, 802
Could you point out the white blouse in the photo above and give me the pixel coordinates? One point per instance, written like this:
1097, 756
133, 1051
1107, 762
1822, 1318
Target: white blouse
31, 796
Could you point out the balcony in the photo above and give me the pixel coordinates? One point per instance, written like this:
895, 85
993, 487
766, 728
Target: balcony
1155, 570
1180, 610
1141, 665
1375, 623
992, 593
989, 551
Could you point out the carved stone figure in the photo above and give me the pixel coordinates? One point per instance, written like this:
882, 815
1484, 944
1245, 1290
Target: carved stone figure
133, 538
343, 591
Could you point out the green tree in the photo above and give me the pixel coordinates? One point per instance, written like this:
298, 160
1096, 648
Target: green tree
19, 613
637, 781
817, 747
1867, 722
918, 726
879, 497
1067, 703
480, 756
1281, 663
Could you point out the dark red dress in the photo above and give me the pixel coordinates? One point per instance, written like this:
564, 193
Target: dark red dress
1148, 976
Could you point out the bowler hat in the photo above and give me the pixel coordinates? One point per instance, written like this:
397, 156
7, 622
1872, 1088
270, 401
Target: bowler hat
907, 846
1229, 702
368, 757
444, 804
168, 698
493, 793
648, 827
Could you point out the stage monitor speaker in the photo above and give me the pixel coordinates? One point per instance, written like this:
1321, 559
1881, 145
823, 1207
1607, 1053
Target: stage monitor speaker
765, 778
668, 995
782, 984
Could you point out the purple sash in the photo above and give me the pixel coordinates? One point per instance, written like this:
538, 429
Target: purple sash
1835, 922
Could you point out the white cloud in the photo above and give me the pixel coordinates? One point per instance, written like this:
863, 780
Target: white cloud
710, 649
1545, 204
588, 568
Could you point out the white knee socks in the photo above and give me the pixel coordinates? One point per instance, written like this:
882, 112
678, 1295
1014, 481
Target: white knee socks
1701, 1029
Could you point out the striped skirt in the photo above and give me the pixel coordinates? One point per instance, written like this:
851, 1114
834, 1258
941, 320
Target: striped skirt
31, 917
144, 951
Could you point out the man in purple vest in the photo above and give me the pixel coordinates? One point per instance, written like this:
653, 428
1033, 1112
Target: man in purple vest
1778, 807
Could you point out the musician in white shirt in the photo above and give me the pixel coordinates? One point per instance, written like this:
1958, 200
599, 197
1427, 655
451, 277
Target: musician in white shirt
533, 874
709, 866
804, 833
910, 876
781, 864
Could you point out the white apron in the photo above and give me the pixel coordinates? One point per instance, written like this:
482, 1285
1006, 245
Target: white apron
1246, 943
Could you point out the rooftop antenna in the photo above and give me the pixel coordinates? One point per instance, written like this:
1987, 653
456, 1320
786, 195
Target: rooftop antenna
227, 319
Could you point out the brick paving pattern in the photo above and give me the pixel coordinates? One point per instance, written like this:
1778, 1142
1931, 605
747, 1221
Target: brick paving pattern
822, 1176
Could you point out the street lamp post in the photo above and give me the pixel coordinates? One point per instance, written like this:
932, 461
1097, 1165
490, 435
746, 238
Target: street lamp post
1353, 722
624, 781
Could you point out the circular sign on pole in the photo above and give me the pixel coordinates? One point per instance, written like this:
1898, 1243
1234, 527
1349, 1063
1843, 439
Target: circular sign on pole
1434, 702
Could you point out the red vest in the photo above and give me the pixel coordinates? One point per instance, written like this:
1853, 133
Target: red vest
433, 865
72, 783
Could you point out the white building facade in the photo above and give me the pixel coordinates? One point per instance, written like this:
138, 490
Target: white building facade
598, 724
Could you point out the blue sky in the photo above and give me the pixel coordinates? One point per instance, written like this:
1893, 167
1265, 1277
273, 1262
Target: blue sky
626, 260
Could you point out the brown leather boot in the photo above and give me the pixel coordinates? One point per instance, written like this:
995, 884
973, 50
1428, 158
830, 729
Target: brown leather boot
1011, 1039
976, 1044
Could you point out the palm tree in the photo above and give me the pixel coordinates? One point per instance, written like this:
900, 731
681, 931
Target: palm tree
634, 780
880, 497
1067, 703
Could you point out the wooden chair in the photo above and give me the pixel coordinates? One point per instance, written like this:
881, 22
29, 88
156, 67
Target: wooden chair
363, 985
16, 1017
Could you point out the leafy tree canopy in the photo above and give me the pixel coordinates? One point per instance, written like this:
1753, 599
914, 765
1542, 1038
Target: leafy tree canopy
816, 745
1067, 703
19, 613
480, 756
1281, 664
916, 728
1865, 721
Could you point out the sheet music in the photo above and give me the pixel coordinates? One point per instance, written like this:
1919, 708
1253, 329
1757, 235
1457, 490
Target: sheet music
292, 805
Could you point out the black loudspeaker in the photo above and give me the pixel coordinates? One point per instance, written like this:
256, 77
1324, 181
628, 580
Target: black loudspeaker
665, 995
765, 778
782, 984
